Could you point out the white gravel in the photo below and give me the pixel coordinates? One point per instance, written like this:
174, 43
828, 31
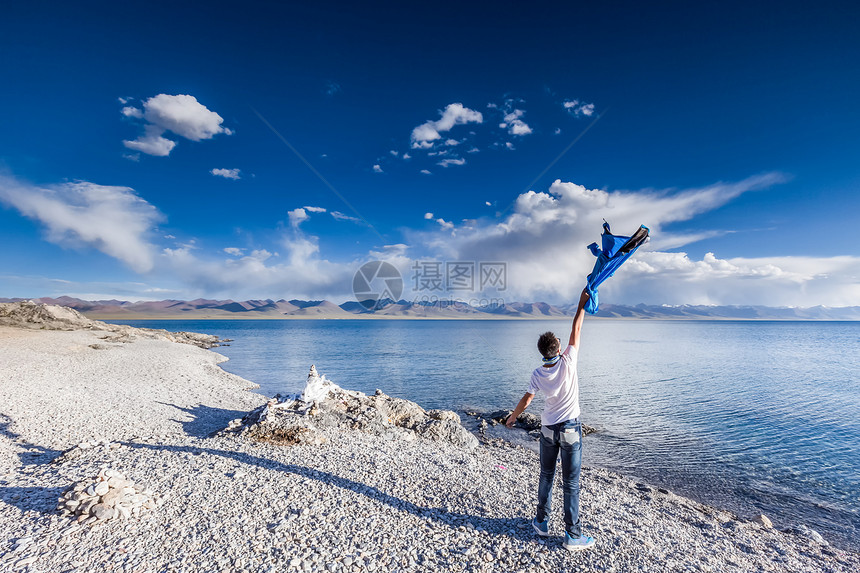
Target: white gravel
353, 504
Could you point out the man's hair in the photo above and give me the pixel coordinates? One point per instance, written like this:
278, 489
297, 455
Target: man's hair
548, 344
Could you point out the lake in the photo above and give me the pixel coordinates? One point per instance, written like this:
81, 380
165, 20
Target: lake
756, 417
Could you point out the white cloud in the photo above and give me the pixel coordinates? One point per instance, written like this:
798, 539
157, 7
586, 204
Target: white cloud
226, 173
297, 217
152, 143
543, 241
314, 209
235, 251
342, 217
377, 169
446, 225
407, 156
514, 124
578, 108
302, 274
488, 204
425, 134
132, 112
509, 145
428, 215
132, 156
112, 219
452, 161
473, 150
179, 114
452, 142
557, 130
394, 152
426, 172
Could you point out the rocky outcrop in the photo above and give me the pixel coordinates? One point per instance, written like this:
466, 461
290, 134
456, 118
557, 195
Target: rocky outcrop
324, 408
28, 314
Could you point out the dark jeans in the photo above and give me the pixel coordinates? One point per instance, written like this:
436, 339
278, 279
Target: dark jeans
564, 438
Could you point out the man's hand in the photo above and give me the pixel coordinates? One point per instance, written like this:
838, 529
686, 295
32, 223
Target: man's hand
521, 406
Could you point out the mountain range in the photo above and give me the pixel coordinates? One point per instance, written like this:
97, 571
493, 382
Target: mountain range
273, 309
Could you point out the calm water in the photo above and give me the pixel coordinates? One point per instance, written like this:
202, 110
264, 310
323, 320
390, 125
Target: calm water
757, 417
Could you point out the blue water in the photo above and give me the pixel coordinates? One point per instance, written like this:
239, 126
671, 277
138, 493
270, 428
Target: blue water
756, 417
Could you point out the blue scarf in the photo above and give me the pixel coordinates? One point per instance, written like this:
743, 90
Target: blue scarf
551, 361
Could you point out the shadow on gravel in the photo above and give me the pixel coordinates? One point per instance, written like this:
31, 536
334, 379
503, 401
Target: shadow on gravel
41, 499
206, 420
512, 527
29, 454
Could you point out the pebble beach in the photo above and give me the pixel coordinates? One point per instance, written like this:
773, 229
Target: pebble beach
82, 406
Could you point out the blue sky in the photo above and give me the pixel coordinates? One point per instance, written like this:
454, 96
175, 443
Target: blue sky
183, 151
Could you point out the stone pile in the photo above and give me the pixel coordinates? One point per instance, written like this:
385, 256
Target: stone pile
109, 496
324, 408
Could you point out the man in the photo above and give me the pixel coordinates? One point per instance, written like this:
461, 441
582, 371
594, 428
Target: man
561, 430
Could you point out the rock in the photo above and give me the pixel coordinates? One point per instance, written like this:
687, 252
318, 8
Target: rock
763, 520
303, 418
808, 533
101, 488
102, 512
443, 415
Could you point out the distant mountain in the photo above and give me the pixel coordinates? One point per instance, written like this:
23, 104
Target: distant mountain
387, 308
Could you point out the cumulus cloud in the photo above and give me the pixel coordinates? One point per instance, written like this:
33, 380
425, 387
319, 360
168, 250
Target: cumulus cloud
131, 111
114, 220
377, 169
514, 124
578, 108
446, 225
297, 217
426, 172
427, 133
428, 215
302, 273
180, 114
451, 161
543, 240
314, 209
235, 251
226, 173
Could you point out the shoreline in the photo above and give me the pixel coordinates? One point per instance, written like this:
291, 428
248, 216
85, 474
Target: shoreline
117, 318
355, 503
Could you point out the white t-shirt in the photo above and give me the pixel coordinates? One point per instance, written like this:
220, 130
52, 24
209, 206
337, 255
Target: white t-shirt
560, 385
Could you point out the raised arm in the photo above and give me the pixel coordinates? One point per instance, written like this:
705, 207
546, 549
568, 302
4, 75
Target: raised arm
578, 318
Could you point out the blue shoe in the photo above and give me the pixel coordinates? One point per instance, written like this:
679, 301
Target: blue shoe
577, 543
541, 528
